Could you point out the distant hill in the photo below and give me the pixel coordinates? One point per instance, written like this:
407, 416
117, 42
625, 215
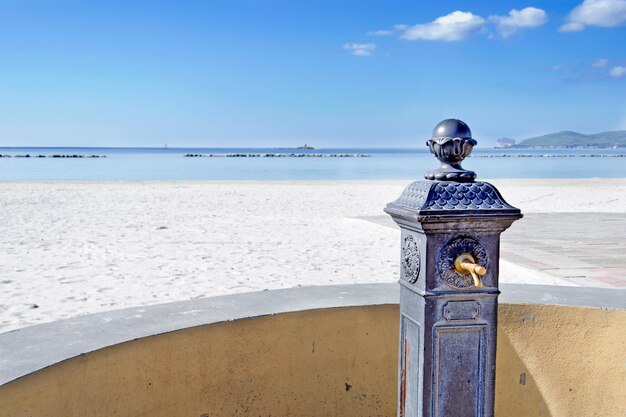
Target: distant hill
567, 139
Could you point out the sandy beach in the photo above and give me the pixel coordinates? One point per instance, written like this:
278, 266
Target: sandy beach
71, 248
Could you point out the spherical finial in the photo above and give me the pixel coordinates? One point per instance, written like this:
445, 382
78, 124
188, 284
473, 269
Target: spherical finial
451, 143
452, 128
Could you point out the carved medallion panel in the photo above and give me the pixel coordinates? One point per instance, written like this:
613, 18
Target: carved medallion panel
411, 258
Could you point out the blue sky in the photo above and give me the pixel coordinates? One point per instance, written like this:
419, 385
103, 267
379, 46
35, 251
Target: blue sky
329, 73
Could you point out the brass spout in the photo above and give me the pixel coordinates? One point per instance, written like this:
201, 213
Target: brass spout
465, 264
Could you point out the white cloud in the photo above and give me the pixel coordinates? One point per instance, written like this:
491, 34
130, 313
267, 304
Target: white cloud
380, 33
617, 72
605, 13
600, 63
460, 25
360, 49
455, 26
571, 27
361, 52
528, 17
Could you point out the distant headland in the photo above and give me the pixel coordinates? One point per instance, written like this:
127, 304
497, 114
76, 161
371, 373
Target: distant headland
568, 139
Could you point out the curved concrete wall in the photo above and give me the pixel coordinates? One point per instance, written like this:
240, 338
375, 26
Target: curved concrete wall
339, 360
560, 361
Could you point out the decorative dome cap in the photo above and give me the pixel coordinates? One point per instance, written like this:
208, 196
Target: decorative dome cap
452, 128
451, 143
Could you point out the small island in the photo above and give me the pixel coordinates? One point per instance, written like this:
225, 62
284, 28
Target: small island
305, 147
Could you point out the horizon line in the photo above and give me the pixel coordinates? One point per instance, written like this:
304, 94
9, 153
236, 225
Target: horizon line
203, 147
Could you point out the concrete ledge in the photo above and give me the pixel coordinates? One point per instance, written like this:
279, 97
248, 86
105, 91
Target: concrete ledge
28, 350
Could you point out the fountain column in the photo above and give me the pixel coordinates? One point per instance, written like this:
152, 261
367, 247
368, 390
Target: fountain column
450, 239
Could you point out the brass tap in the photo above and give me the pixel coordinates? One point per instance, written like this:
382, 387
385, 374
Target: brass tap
465, 264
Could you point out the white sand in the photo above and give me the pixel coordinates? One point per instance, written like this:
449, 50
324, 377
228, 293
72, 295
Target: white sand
74, 248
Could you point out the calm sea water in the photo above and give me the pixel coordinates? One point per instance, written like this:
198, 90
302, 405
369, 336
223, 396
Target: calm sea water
154, 163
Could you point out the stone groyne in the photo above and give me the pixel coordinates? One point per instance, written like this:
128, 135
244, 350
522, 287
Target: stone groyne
51, 156
552, 155
277, 155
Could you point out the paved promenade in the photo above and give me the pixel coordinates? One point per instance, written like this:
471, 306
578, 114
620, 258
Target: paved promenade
582, 249
587, 249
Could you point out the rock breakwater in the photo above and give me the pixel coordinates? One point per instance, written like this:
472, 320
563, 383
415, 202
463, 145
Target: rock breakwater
277, 155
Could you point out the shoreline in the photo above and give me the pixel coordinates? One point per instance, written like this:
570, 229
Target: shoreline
75, 247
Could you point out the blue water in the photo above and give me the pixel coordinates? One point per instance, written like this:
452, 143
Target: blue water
155, 163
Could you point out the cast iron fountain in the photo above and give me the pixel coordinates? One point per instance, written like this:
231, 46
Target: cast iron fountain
451, 228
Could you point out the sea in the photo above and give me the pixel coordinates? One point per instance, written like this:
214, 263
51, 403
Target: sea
171, 164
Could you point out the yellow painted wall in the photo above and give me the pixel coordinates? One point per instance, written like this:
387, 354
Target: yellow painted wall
335, 362
573, 360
